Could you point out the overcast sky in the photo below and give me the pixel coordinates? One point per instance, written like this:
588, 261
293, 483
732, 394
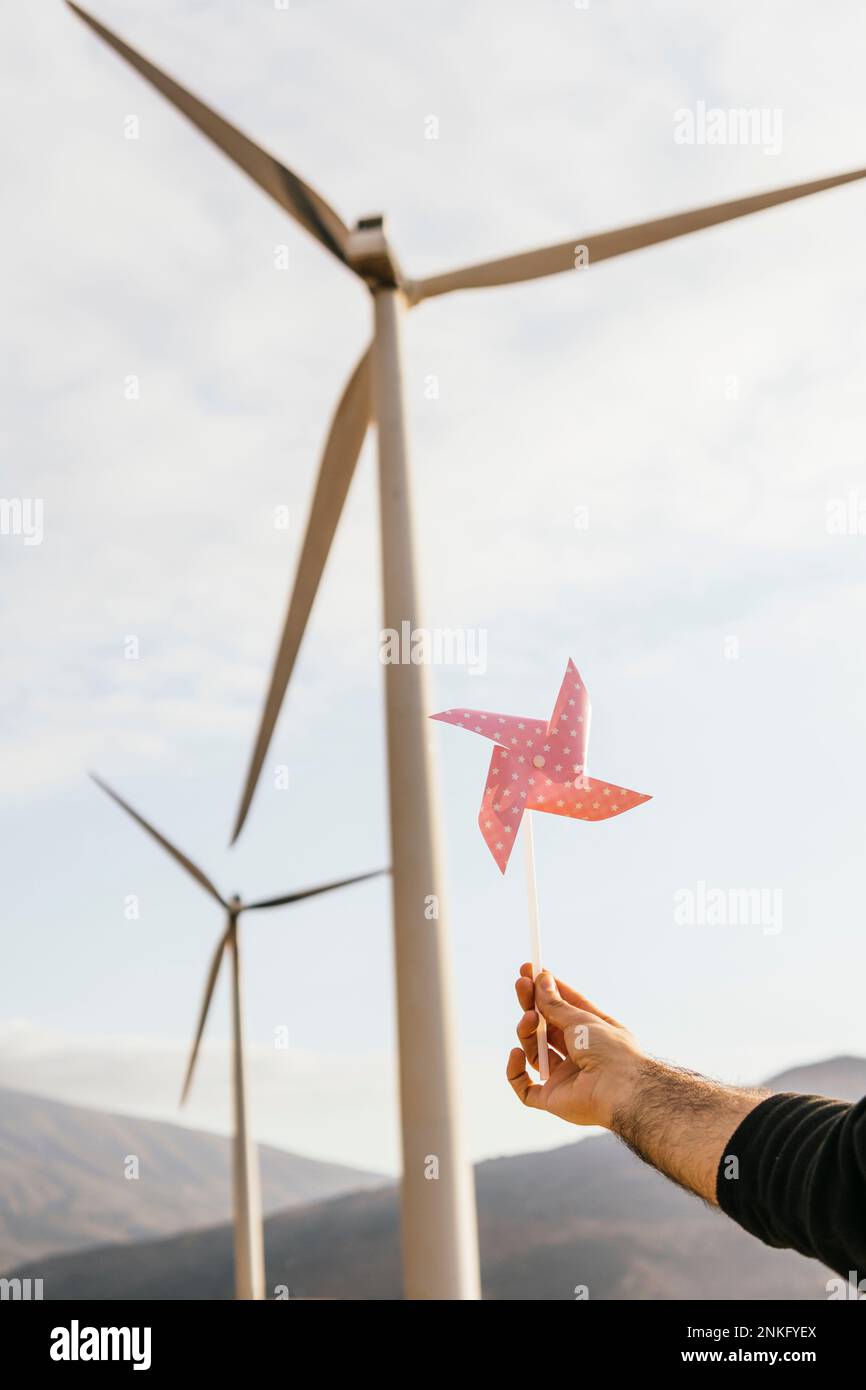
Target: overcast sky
700, 403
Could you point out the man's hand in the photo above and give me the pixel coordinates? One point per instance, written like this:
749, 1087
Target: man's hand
675, 1120
594, 1061
803, 1158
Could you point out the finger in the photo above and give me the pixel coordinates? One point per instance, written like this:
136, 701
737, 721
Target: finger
580, 1001
527, 1036
570, 995
518, 1079
556, 1038
525, 991
527, 1026
550, 1002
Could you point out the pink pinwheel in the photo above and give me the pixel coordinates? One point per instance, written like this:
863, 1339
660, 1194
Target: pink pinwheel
540, 766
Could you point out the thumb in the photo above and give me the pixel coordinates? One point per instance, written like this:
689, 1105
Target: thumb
551, 1004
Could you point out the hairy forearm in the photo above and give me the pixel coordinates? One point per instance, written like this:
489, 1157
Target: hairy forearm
680, 1122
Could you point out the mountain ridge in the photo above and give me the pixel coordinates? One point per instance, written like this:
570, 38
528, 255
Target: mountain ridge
63, 1185
586, 1215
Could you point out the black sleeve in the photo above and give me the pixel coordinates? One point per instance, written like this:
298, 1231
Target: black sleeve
800, 1178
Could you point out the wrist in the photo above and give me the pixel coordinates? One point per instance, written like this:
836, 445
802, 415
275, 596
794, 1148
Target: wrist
619, 1093
680, 1122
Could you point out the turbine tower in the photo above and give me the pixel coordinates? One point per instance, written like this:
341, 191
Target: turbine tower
440, 1252
247, 1202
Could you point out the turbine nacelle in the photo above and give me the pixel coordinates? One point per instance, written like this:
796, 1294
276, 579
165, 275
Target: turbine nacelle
369, 254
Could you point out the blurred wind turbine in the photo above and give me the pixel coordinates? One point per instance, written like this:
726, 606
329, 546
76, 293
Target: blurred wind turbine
249, 1242
440, 1251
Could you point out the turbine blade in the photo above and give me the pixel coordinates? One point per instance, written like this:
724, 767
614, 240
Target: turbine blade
313, 892
212, 974
550, 260
295, 196
343, 446
175, 853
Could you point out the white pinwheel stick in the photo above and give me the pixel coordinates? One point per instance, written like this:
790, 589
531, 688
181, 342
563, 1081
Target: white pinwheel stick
535, 943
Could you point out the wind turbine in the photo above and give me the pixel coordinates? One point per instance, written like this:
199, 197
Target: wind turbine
440, 1256
249, 1242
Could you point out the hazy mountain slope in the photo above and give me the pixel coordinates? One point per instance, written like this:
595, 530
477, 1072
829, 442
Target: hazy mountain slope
62, 1184
842, 1078
586, 1214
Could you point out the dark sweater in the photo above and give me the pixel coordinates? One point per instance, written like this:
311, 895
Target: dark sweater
802, 1178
